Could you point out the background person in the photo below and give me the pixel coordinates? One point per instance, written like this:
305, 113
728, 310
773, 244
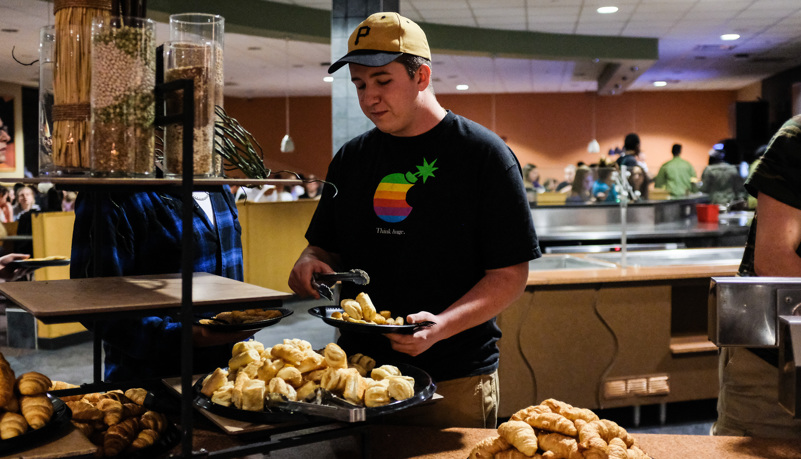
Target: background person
461, 239
721, 180
677, 175
140, 233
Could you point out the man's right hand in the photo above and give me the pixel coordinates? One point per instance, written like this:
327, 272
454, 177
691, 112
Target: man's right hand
309, 262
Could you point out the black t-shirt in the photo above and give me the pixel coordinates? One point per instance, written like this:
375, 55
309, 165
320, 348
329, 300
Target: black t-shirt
425, 216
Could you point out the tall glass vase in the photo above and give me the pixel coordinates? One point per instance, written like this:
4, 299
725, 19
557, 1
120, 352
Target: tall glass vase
123, 103
202, 29
195, 62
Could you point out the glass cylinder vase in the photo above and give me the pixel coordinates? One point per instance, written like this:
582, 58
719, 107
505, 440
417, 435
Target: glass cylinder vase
202, 28
47, 45
123, 103
195, 62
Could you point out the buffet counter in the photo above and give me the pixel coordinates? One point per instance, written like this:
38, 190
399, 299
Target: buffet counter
610, 336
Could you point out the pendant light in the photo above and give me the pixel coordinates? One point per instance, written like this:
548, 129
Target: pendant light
287, 144
593, 146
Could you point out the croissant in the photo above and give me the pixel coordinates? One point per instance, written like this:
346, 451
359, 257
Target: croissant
559, 445
145, 438
617, 449
130, 410
520, 435
61, 385
12, 405
526, 413
119, 436
86, 428
112, 411
489, 447
569, 411
12, 425
154, 420
37, 410
597, 434
553, 422
7, 380
33, 383
224, 395
368, 310
515, 454
83, 410
334, 356
136, 395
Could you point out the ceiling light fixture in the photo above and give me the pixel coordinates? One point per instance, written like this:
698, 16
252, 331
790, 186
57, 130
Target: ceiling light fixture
729, 36
659, 84
607, 10
462, 87
328, 79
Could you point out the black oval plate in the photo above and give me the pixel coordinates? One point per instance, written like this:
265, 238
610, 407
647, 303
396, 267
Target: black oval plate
50, 431
223, 327
324, 312
424, 389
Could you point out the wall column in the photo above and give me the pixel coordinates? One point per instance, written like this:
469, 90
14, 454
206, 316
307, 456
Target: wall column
347, 118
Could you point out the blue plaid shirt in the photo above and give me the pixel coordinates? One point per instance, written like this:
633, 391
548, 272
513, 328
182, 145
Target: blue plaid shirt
140, 233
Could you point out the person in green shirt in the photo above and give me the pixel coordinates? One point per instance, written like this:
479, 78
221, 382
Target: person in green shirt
677, 176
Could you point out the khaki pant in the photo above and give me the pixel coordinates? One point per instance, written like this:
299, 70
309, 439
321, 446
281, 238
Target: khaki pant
466, 402
748, 403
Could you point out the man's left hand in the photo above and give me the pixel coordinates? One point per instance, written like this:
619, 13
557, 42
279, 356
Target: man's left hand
421, 340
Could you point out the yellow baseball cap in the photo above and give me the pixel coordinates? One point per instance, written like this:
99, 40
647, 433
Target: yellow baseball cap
382, 38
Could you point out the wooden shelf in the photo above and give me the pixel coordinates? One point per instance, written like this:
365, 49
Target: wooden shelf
691, 344
70, 300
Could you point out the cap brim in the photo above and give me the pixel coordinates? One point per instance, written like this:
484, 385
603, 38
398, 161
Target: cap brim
367, 58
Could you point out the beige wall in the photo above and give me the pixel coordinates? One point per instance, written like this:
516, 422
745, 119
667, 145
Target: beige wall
550, 130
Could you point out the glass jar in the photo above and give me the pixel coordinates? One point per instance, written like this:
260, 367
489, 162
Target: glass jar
190, 61
202, 28
47, 46
122, 97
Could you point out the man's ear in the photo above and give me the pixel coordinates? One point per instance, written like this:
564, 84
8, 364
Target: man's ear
423, 77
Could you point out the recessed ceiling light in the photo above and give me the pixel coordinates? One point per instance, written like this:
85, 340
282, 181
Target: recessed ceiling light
9, 30
462, 87
254, 48
607, 10
729, 36
328, 79
659, 84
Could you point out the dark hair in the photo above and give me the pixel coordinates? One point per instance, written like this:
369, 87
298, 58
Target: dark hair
676, 149
631, 142
3, 190
412, 63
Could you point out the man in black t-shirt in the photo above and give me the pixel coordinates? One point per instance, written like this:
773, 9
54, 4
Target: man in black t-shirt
432, 206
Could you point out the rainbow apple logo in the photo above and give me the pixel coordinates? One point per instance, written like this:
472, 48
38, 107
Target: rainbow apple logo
389, 200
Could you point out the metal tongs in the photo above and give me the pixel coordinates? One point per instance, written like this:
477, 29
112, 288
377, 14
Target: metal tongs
323, 282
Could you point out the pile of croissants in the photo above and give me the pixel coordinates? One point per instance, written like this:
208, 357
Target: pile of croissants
115, 421
294, 371
556, 430
23, 401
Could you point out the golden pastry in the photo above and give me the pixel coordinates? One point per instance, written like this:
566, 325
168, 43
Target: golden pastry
334, 356
214, 382
401, 387
12, 425
37, 410
520, 435
367, 308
